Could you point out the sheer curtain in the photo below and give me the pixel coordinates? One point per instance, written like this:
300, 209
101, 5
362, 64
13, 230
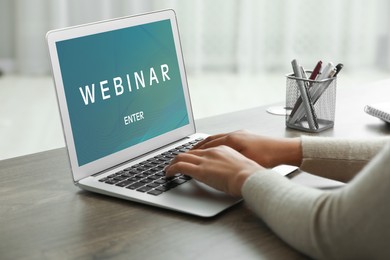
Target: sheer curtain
233, 36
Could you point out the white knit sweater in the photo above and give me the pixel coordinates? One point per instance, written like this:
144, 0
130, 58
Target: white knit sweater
352, 222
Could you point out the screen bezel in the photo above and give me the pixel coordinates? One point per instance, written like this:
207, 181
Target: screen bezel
109, 161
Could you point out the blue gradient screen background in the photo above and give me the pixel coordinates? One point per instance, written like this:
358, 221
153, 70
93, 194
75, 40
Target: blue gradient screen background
98, 128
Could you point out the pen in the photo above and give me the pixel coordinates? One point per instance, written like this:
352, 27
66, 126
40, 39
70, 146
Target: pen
338, 68
324, 86
316, 70
312, 110
304, 94
304, 76
326, 72
313, 76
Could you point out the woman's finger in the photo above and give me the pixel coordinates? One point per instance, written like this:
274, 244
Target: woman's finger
191, 157
208, 139
189, 169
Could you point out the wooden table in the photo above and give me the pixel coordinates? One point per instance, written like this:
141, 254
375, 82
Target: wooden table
44, 216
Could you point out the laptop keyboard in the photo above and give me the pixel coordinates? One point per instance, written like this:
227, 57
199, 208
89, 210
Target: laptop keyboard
149, 176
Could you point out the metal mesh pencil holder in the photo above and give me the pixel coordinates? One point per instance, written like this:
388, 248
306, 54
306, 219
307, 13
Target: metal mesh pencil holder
321, 97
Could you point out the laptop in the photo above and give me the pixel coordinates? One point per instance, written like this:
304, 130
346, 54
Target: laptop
126, 111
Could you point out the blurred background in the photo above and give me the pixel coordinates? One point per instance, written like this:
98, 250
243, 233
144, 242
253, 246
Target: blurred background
236, 52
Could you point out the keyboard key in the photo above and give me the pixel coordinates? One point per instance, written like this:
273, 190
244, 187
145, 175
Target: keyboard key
147, 180
153, 185
135, 185
149, 165
171, 184
163, 188
119, 178
141, 176
144, 189
111, 181
161, 181
144, 162
142, 168
124, 183
154, 177
155, 192
161, 167
131, 171
155, 162
161, 173
147, 173
134, 179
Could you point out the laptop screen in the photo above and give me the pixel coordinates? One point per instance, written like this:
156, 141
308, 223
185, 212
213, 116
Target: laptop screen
122, 87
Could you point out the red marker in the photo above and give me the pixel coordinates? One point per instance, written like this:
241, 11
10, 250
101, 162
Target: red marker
316, 70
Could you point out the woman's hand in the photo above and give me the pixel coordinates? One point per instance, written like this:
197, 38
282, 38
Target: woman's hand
266, 151
220, 167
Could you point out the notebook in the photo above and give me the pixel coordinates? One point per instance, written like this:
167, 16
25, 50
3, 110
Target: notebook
380, 110
126, 111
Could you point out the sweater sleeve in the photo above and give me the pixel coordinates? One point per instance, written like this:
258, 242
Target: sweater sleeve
338, 159
347, 223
